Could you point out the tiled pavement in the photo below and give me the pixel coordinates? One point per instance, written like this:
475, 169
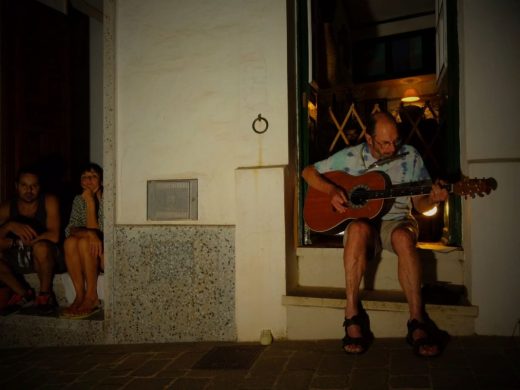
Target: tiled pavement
467, 363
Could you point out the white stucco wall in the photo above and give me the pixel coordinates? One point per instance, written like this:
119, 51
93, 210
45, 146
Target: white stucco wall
191, 78
490, 81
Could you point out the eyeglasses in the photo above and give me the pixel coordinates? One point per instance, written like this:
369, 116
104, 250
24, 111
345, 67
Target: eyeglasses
386, 144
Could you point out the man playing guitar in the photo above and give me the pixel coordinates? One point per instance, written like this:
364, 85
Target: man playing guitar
396, 230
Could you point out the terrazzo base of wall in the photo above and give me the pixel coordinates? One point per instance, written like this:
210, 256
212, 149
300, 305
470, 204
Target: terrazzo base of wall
173, 283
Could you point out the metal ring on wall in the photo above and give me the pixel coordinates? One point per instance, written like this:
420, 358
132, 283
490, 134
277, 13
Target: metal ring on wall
260, 118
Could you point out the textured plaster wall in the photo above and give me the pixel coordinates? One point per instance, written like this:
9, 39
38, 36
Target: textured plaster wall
191, 77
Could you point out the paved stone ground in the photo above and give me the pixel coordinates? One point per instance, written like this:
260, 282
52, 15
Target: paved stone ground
467, 363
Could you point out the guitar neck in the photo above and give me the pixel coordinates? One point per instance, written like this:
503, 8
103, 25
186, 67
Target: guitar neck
410, 189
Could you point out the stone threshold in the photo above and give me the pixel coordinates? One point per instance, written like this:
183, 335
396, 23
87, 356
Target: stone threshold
374, 300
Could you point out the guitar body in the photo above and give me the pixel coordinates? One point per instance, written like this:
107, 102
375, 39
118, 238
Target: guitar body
371, 195
321, 217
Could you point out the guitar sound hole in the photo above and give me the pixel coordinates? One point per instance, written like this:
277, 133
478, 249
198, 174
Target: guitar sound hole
358, 197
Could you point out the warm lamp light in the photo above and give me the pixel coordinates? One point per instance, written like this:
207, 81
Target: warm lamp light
410, 95
313, 110
431, 212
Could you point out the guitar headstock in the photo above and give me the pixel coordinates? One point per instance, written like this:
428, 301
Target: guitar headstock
474, 187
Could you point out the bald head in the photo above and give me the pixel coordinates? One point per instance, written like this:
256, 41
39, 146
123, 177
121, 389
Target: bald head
382, 135
379, 117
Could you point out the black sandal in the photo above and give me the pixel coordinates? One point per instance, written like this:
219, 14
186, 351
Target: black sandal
366, 338
434, 337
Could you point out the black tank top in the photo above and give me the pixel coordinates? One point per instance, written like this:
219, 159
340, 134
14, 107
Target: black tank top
38, 222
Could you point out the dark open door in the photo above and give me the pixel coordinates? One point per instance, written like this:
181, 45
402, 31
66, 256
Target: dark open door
44, 94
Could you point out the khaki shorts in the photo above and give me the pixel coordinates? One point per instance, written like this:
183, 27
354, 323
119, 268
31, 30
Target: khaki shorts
386, 228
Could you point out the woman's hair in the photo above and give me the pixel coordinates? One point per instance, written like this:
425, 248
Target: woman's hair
92, 167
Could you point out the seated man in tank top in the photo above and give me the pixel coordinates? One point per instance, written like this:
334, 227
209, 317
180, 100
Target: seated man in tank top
29, 235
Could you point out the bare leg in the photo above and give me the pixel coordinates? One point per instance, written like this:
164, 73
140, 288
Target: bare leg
7, 277
90, 265
73, 262
410, 276
360, 235
44, 264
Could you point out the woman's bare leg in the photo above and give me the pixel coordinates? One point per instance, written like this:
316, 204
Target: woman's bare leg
90, 266
74, 268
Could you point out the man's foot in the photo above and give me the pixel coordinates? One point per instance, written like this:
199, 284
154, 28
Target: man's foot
424, 337
357, 334
45, 303
18, 302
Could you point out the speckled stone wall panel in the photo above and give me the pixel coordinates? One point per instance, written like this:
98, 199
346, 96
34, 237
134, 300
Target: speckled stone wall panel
174, 283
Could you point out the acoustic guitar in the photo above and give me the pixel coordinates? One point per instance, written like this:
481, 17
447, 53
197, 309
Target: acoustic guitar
370, 195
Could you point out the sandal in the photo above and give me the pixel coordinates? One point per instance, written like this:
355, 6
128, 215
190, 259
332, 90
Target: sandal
366, 338
68, 312
434, 337
80, 314
83, 314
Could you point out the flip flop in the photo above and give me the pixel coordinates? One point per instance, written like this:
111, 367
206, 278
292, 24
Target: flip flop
79, 315
66, 312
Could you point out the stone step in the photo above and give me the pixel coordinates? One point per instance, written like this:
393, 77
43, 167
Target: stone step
63, 287
19, 330
317, 313
25, 330
323, 267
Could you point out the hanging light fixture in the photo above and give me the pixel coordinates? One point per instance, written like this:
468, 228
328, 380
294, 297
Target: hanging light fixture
410, 96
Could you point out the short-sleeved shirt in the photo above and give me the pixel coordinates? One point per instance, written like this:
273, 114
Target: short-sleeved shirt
78, 215
357, 160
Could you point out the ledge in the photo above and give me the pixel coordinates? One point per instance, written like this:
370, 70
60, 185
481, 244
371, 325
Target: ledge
465, 311
382, 300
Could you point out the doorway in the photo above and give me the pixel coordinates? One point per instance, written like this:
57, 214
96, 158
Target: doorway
44, 96
356, 58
